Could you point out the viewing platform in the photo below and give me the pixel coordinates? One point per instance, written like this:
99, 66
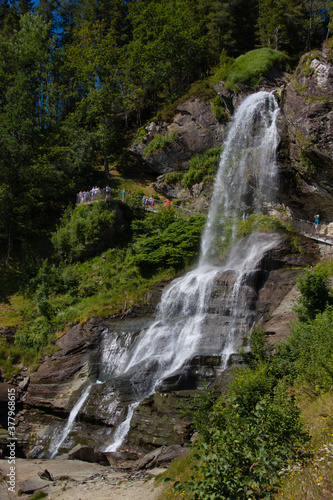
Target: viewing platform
319, 232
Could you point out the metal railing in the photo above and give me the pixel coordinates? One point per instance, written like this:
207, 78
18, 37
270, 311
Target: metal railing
320, 232
148, 203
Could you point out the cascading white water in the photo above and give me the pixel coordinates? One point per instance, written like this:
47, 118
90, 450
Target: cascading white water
246, 179
248, 155
58, 441
245, 182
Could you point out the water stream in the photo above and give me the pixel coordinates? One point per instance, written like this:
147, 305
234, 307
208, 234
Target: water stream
245, 183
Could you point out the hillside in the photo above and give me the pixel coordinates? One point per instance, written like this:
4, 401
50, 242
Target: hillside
104, 318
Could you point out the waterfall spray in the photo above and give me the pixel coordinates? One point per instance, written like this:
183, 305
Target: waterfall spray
245, 182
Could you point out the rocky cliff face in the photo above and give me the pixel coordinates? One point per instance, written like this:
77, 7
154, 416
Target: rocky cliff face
306, 149
81, 359
195, 129
305, 156
305, 152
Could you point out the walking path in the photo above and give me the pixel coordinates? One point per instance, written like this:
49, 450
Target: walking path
148, 203
319, 232
73, 479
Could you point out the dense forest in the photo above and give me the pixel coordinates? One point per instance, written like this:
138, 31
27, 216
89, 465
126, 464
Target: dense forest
77, 76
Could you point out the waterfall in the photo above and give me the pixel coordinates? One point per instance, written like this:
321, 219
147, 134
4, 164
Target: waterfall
245, 183
56, 444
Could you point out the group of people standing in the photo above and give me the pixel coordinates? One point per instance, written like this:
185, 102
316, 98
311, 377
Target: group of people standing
97, 193
94, 194
146, 202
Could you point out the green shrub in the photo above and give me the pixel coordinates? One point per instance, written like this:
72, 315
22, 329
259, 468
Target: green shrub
174, 177
84, 230
159, 142
202, 167
246, 446
219, 109
315, 293
250, 67
173, 246
307, 355
260, 352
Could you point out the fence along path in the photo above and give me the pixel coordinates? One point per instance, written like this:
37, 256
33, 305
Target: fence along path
319, 232
85, 197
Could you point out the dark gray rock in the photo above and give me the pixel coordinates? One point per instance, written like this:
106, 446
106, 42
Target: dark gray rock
88, 454
196, 129
160, 457
306, 148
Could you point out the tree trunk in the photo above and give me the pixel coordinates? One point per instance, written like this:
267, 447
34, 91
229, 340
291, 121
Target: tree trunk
106, 165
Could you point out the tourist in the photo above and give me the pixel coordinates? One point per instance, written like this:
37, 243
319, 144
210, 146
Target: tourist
168, 203
152, 202
316, 219
123, 195
144, 201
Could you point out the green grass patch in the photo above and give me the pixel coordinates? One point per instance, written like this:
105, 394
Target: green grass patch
203, 168
250, 67
179, 470
314, 479
159, 142
10, 311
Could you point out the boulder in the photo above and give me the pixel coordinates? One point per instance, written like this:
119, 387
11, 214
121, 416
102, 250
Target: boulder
88, 454
196, 129
160, 457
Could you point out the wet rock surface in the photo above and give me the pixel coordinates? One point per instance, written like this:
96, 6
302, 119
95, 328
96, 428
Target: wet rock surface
157, 421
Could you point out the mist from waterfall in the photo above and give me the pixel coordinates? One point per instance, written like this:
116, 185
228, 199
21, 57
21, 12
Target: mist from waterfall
248, 156
245, 183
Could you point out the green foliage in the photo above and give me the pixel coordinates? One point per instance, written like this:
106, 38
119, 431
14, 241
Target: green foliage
259, 351
250, 67
202, 167
249, 436
308, 353
159, 142
174, 177
258, 222
284, 23
306, 163
170, 242
219, 109
224, 67
64, 294
84, 229
315, 294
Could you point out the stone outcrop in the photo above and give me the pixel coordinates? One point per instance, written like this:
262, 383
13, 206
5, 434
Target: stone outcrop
306, 148
195, 129
63, 377
305, 156
88, 454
